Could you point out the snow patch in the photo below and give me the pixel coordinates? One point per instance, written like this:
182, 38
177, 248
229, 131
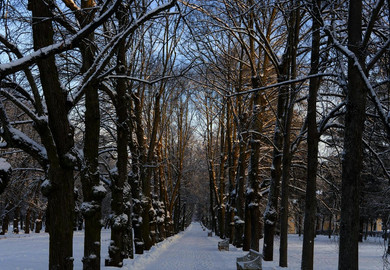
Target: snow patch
4, 166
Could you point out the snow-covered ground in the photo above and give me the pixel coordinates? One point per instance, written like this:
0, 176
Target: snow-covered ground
189, 250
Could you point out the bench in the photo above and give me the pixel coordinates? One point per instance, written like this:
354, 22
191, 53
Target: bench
223, 245
250, 261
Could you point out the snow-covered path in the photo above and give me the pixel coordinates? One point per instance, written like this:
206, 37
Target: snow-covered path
188, 250
191, 250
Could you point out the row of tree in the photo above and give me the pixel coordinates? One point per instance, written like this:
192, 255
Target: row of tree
297, 116
92, 93
262, 103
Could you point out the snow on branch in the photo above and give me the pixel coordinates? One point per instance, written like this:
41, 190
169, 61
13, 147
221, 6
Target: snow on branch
348, 53
19, 89
30, 78
20, 105
141, 80
23, 62
16, 138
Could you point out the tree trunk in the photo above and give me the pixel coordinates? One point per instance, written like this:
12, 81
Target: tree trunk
27, 221
254, 229
163, 196
366, 224
253, 223
232, 154
149, 212
271, 212
21, 220
240, 201
144, 181
16, 220
293, 39
60, 172
5, 221
140, 201
312, 146
184, 217
93, 193
223, 157
212, 190
137, 207
284, 205
121, 233
61, 208
388, 245
352, 161
38, 223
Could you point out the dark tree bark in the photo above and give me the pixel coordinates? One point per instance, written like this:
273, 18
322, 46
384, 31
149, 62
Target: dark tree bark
232, 157
136, 199
139, 197
163, 197
27, 222
271, 212
148, 213
284, 205
223, 157
293, 39
352, 161
253, 222
38, 223
93, 193
60, 172
240, 190
121, 232
312, 146
5, 221
212, 189
16, 219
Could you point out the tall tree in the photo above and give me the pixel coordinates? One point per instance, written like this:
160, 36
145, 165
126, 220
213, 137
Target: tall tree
291, 55
312, 144
253, 223
353, 150
93, 191
121, 234
60, 172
